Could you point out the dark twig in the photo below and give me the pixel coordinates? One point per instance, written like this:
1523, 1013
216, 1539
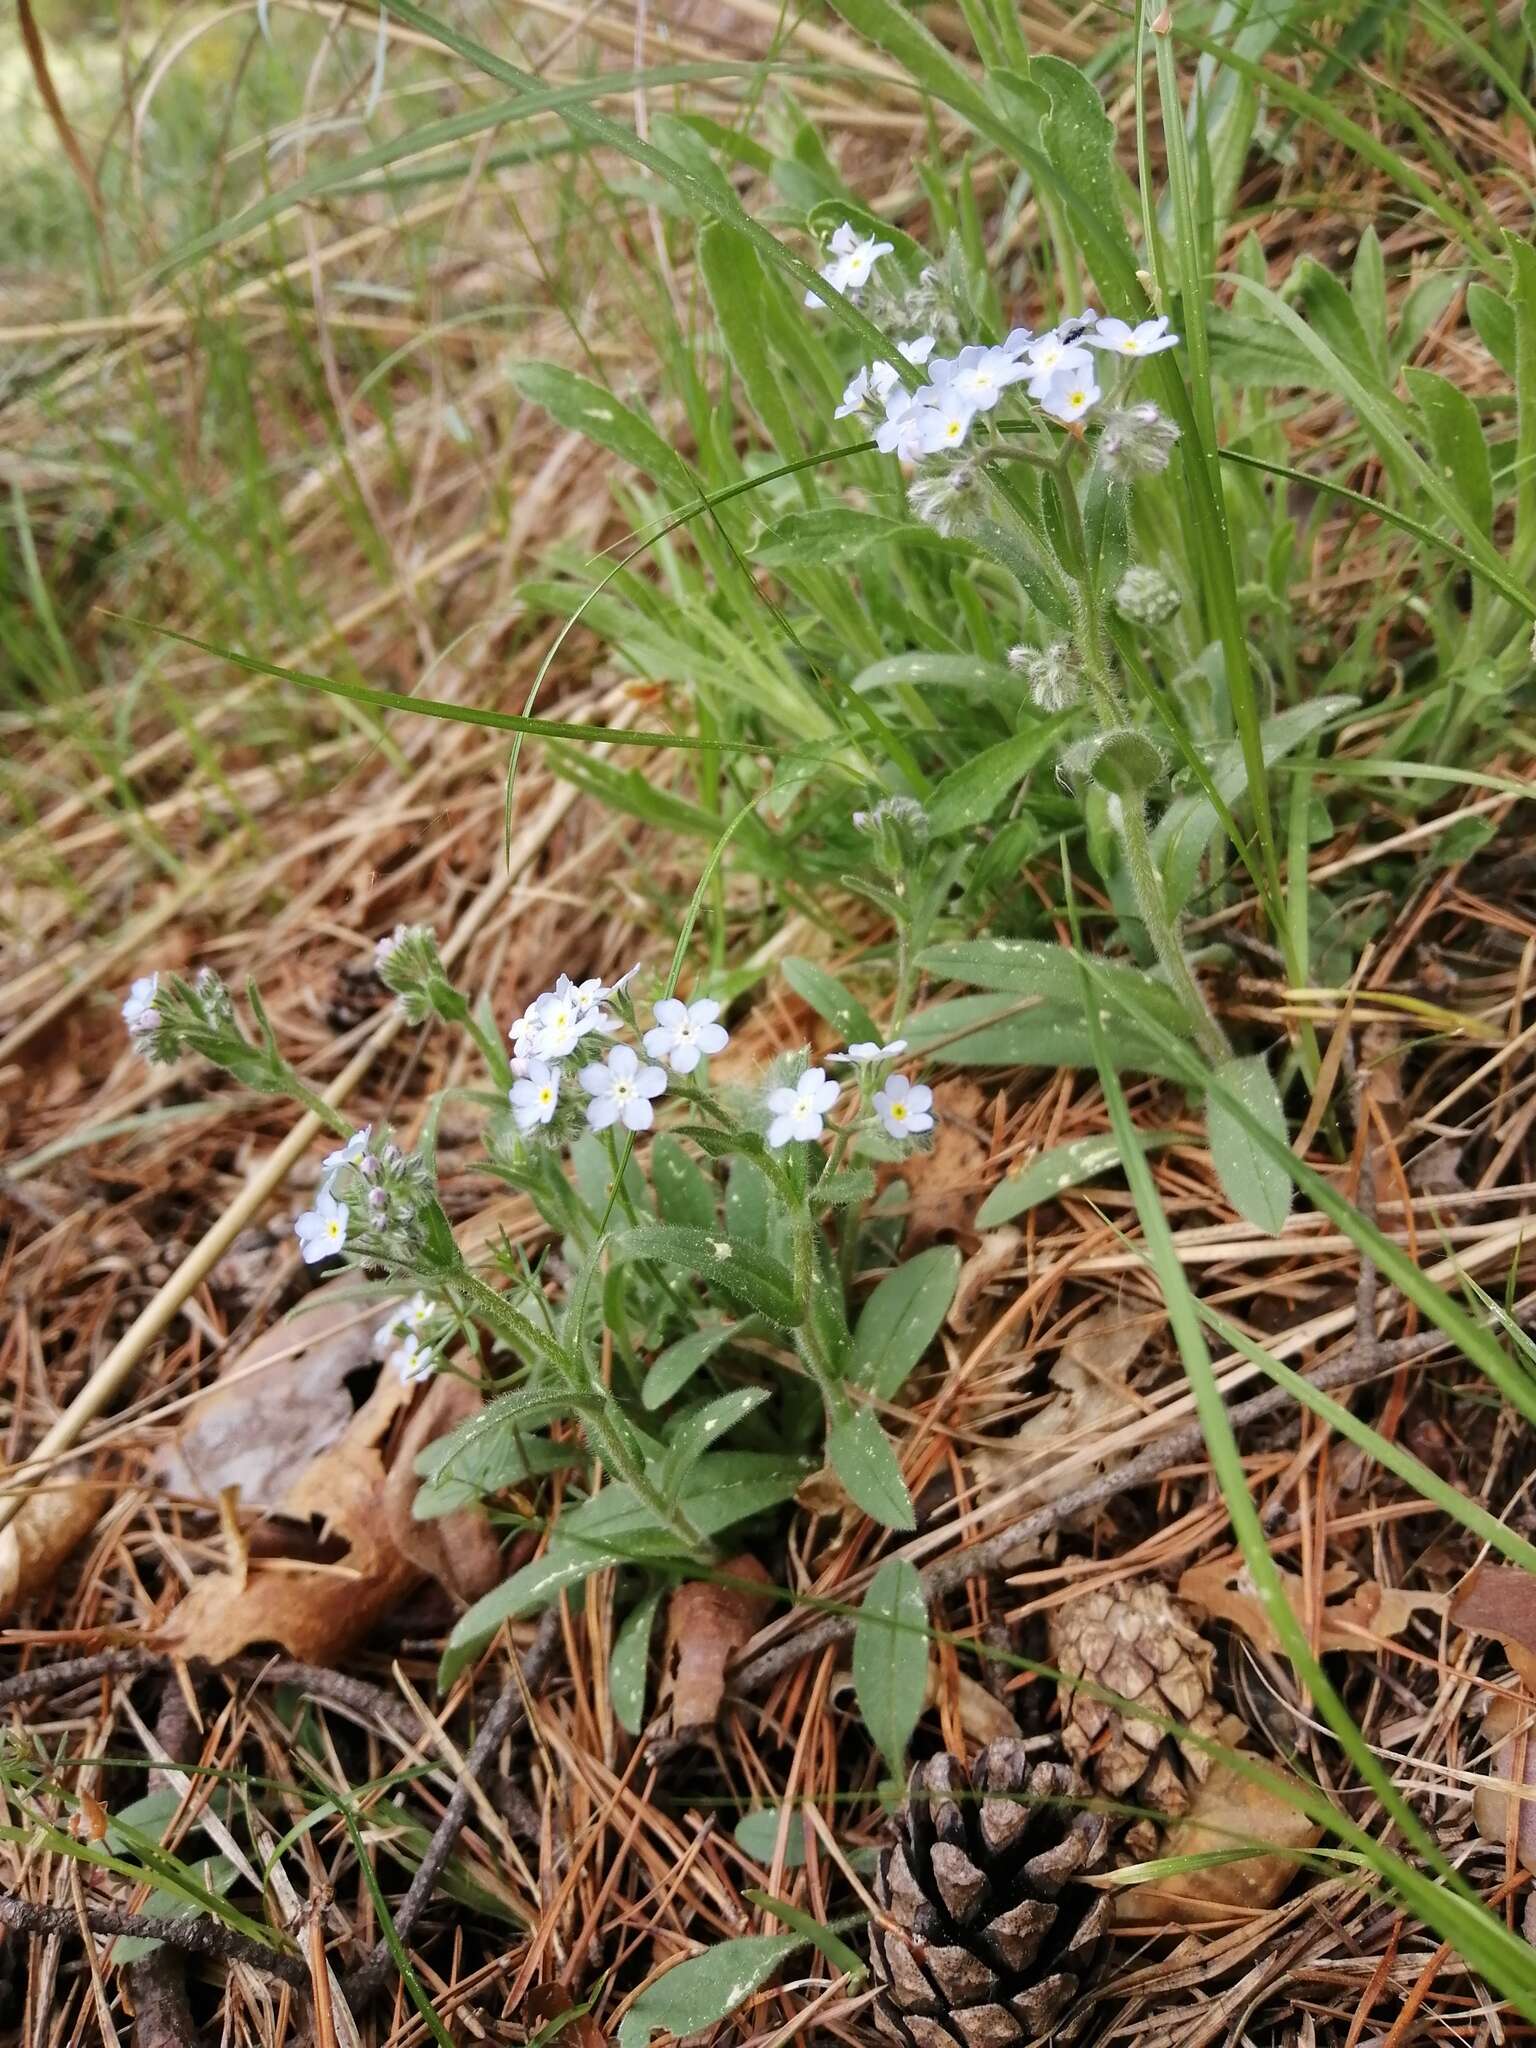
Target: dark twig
200, 1936
43, 1679
503, 1717
978, 1560
354, 1696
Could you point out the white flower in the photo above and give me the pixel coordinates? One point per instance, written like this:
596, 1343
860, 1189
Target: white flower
864, 1052
409, 1320
1016, 341
945, 417
903, 1109
622, 1090
1047, 355
560, 1022
1146, 338
321, 1231
386, 946
413, 1360
685, 1032
853, 259
1069, 395
535, 1096
798, 1112
978, 376
904, 431
139, 1012
346, 1155
875, 382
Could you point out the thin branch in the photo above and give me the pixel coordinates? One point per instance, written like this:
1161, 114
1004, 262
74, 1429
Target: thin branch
44, 1679
198, 1936
504, 1716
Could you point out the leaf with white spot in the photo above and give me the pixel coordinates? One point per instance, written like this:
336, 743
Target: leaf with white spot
901, 1319
860, 1453
890, 1659
699, 1429
1243, 1093
1055, 1170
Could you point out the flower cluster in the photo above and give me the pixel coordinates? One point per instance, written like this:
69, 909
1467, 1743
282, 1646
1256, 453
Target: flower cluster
402, 1343
620, 1088
798, 1113
140, 1014
1057, 367
371, 1199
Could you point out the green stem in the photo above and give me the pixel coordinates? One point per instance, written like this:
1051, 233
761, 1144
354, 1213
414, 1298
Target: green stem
1147, 885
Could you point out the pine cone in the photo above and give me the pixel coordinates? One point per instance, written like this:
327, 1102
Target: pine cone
990, 1936
1137, 1641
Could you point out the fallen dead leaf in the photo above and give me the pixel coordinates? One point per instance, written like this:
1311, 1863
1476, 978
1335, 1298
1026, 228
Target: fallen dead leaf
1509, 1729
280, 1433
51, 1522
1357, 1614
313, 1611
1500, 1600
707, 1623
277, 1405
1230, 1810
459, 1550
1091, 1396
992, 1256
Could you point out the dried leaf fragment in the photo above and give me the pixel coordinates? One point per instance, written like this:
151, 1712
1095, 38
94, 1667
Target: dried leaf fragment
707, 1624
1231, 1810
1357, 1614
51, 1522
1500, 1600
1508, 1794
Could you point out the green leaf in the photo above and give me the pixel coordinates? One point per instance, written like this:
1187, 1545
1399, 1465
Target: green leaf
932, 671
1080, 141
737, 285
1256, 1185
969, 795
216, 1874
614, 1527
840, 1190
1058, 1168
860, 1453
705, 1988
628, 1662
701, 1427
890, 1659
587, 408
685, 1193
1188, 825
1032, 967
1494, 319
841, 533
998, 1031
757, 1836
486, 1453
1457, 440
733, 1266
901, 1319
829, 999
748, 1203
833, 1947
676, 1366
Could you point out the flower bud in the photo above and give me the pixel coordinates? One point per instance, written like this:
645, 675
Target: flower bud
1145, 597
1135, 440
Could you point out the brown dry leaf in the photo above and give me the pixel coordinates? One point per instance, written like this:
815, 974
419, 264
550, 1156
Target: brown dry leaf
1380, 1066
1500, 1600
1230, 1810
280, 1433
1357, 1614
1092, 1396
707, 1623
946, 1180
51, 1522
314, 1611
277, 1405
993, 1255
460, 1550
1509, 1729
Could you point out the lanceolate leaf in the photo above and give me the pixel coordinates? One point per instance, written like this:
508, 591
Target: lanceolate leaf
901, 1319
861, 1455
890, 1659
705, 1988
1256, 1183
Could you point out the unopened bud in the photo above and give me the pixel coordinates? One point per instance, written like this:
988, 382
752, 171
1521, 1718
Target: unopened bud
1145, 597
1051, 675
1135, 440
